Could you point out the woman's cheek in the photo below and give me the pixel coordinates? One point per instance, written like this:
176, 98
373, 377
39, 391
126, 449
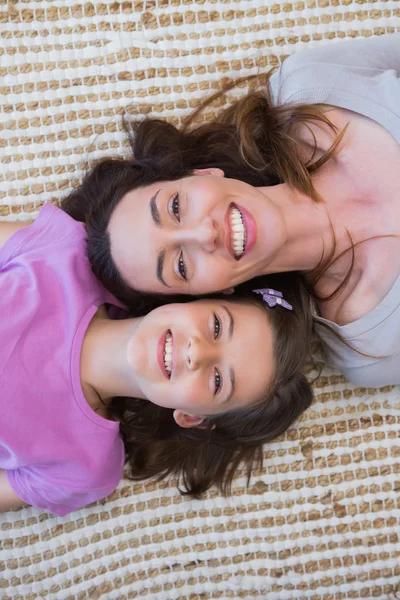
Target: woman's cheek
212, 275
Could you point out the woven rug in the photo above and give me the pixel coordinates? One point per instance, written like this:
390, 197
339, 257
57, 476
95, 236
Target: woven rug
321, 520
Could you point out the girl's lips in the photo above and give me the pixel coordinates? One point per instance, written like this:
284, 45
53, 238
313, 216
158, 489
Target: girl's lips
251, 231
160, 354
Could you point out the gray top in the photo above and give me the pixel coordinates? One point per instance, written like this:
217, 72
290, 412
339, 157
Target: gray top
362, 76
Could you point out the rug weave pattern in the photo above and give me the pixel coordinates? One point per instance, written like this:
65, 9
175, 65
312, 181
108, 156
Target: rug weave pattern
321, 520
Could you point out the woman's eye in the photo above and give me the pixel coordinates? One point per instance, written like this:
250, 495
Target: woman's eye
217, 380
217, 327
175, 208
182, 267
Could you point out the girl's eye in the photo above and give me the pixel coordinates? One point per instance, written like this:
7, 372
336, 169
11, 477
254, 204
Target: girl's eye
217, 327
175, 208
182, 267
218, 381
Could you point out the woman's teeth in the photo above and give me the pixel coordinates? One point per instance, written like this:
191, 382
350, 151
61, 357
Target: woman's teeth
238, 232
168, 353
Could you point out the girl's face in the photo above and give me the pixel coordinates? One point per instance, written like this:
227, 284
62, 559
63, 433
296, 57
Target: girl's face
205, 357
195, 235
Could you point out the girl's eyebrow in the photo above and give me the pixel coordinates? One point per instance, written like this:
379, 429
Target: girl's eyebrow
231, 322
232, 378
231, 372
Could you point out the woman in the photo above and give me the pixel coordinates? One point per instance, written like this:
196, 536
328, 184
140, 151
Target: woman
186, 400
277, 183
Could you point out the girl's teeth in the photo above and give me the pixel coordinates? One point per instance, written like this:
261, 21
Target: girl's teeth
168, 353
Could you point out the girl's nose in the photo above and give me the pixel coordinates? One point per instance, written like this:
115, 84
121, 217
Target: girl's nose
198, 353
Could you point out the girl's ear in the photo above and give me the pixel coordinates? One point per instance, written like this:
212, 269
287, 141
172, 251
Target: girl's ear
210, 171
186, 421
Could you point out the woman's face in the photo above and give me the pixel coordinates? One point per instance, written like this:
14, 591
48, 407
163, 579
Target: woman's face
205, 357
196, 235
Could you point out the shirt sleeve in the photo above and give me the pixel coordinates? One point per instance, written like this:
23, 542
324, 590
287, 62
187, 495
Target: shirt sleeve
375, 375
34, 487
51, 228
358, 75
22, 236
381, 52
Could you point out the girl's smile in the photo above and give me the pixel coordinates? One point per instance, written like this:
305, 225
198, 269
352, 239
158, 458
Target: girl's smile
165, 354
190, 356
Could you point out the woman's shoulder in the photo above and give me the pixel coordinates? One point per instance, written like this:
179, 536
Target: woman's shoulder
361, 341
358, 75
380, 52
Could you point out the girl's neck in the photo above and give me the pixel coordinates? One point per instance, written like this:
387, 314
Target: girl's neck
105, 372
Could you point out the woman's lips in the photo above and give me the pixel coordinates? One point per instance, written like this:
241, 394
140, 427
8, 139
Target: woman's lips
228, 233
160, 354
250, 231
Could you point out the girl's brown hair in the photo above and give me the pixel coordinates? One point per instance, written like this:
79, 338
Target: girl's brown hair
157, 447
250, 140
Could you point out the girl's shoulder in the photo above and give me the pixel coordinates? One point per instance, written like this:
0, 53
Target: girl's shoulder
95, 475
52, 229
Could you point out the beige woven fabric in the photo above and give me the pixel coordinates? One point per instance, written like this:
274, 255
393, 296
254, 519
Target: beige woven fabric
322, 519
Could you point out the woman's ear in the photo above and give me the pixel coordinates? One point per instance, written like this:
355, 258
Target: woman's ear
210, 171
186, 420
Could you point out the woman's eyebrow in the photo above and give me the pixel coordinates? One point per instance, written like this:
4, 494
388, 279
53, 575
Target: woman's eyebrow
155, 213
160, 267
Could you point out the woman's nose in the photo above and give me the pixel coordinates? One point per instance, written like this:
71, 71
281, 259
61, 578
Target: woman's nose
203, 234
207, 234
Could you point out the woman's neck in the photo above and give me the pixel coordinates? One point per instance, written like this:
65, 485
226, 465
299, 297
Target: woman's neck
104, 364
308, 230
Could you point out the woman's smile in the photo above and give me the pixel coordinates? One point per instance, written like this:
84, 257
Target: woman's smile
193, 236
241, 231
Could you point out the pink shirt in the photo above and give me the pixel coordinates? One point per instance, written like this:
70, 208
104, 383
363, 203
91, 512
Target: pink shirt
59, 454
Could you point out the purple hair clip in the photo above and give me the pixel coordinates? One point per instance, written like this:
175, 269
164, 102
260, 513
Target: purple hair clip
273, 297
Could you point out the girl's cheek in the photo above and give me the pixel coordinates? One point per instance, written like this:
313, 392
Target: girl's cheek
189, 394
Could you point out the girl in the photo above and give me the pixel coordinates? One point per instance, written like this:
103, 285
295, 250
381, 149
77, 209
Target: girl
301, 175
173, 390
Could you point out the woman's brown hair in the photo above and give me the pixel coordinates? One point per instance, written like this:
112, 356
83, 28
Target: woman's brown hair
250, 140
199, 458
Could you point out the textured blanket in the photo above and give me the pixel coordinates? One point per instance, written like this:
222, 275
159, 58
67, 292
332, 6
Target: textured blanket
321, 520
